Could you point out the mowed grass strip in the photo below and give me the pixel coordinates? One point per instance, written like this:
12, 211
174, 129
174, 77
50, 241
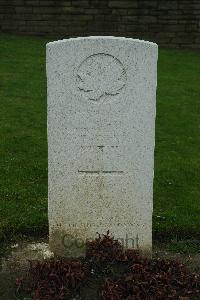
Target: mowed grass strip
23, 147
177, 153
23, 164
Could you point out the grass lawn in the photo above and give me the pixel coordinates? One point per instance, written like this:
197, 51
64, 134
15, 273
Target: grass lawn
23, 146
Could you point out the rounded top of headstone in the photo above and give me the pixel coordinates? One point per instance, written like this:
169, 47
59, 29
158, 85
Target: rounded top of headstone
98, 38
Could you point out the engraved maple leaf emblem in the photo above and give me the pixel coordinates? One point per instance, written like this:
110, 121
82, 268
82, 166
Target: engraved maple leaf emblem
100, 75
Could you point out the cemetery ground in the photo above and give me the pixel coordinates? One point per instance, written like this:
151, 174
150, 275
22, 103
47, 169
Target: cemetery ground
23, 164
23, 181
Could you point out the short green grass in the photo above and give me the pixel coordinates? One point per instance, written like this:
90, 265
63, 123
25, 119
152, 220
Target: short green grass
23, 146
177, 153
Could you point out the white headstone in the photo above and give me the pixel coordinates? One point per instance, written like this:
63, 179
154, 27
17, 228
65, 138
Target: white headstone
101, 135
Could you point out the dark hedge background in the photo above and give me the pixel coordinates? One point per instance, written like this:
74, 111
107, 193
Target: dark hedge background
173, 23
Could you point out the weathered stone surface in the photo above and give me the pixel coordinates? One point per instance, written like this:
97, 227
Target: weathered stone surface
101, 115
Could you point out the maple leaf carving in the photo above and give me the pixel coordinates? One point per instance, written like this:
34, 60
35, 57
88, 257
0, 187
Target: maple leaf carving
100, 75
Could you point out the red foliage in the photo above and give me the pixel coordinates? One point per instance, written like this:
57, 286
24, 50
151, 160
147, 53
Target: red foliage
104, 248
52, 280
156, 280
140, 279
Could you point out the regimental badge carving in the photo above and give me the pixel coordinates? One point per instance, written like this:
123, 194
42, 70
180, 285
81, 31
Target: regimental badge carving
101, 75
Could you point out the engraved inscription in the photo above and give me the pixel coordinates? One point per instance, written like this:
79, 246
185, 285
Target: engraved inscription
100, 160
98, 172
101, 75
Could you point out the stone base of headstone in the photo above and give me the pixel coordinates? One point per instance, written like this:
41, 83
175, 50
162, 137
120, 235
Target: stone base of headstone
72, 243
